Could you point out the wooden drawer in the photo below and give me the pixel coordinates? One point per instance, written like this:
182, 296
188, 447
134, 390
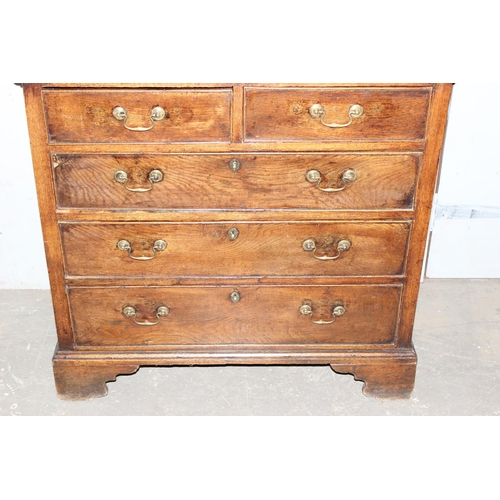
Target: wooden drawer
281, 164
86, 116
263, 181
283, 114
259, 249
207, 315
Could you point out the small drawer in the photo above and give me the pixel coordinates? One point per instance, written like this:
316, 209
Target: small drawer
225, 315
238, 249
335, 114
239, 181
138, 116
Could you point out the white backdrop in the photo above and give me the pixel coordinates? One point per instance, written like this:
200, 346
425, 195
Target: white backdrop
465, 240
22, 257
461, 245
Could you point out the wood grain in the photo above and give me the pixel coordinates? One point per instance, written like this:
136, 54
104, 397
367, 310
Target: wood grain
394, 148
83, 374
392, 378
283, 114
88, 281
265, 249
85, 116
241, 147
83, 380
237, 114
264, 181
91, 215
206, 315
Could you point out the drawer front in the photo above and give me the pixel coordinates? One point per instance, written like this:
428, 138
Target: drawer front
207, 315
78, 116
284, 114
235, 249
257, 181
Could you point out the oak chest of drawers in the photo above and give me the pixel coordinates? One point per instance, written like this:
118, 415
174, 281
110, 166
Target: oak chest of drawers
235, 224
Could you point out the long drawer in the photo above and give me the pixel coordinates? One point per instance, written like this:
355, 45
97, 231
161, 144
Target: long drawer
236, 181
138, 116
154, 316
235, 249
335, 114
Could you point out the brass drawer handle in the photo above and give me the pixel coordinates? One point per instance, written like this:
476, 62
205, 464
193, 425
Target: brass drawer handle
153, 177
307, 310
158, 246
157, 114
342, 246
316, 176
130, 312
317, 111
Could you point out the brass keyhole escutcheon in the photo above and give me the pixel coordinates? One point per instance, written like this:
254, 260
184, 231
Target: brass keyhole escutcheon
235, 296
234, 165
233, 233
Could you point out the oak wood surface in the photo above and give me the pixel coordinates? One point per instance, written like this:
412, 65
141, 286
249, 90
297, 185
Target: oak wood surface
283, 114
394, 147
261, 249
85, 116
90, 215
206, 315
241, 147
392, 378
237, 114
263, 181
241, 354
87, 281
81, 375
80, 381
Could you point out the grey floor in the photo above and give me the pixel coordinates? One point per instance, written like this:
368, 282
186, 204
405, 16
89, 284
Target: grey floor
457, 338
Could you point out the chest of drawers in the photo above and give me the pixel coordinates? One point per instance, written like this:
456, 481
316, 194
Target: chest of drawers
235, 224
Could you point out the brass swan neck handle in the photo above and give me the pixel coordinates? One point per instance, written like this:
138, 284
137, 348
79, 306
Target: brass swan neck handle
317, 111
